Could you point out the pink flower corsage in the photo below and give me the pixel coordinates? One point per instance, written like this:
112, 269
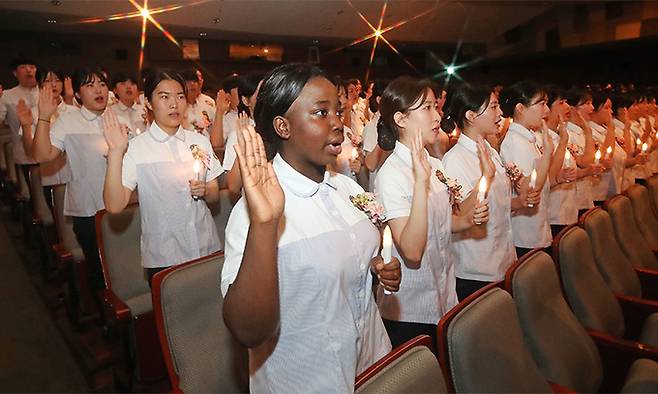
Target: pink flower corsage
574, 150
620, 141
356, 139
454, 189
367, 203
199, 154
514, 174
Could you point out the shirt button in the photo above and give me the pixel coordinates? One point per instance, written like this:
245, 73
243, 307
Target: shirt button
352, 236
362, 266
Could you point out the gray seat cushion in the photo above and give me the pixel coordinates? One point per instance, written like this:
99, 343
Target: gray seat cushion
614, 266
140, 304
652, 185
633, 244
645, 218
416, 371
642, 377
560, 346
650, 330
205, 355
486, 349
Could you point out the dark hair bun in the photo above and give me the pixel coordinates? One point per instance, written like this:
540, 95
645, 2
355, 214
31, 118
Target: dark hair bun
385, 136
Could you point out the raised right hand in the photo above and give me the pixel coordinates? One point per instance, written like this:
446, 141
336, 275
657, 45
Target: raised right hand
421, 167
116, 134
265, 198
222, 102
24, 113
47, 102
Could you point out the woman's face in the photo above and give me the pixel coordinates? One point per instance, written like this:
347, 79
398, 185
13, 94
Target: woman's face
604, 113
424, 117
561, 108
487, 121
54, 82
585, 108
536, 112
168, 103
126, 90
250, 101
352, 93
93, 94
315, 129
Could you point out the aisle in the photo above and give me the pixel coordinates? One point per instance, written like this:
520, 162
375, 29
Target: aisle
34, 356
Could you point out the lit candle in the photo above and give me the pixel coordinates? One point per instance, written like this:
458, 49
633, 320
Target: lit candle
355, 153
657, 135
638, 142
597, 156
196, 168
482, 189
137, 131
645, 147
567, 159
608, 152
387, 245
533, 183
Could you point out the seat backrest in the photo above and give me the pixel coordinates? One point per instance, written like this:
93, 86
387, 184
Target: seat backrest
119, 245
409, 368
652, 185
11, 164
560, 346
632, 243
221, 210
200, 352
614, 266
645, 218
63, 223
589, 296
482, 345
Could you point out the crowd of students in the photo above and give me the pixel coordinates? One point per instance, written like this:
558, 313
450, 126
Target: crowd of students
465, 179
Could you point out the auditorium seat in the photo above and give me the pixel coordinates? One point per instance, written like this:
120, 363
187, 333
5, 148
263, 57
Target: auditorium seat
481, 347
560, 346
597, 308
616, 269
629, 237
652, 185
221, 210
127, 296
644, 215
200, 352
409, 368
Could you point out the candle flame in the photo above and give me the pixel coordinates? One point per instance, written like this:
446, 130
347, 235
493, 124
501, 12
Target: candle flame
645, 147
609, 150
355, 153
597, 155
533, 177
567, 155
196, 167
638, 141
482, 186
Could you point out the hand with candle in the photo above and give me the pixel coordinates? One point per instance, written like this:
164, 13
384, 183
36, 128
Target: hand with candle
386, 267
198, 184
527, 193
355, 161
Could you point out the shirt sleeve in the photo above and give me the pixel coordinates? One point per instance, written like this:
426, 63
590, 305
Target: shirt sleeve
58, 133
237, 229
456, 169
394, 193
129, 169
370, 136
518, 155
229, 151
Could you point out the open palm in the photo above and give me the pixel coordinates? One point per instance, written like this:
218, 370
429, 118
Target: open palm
262, 190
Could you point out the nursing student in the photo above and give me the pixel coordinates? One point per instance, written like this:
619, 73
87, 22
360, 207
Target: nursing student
173, 195
130, 113
423, 208
482, 253
613, 159
625, 140
51, 106
79, 134
300, 257
525, 102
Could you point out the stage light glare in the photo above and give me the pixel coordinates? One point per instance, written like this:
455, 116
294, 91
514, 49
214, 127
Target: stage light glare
378, 33
145, 13
450, 70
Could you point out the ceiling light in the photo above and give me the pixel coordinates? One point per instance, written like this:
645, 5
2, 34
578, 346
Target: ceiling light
203, 34
378, 33
216, 20
145, 12
52, 21
266, 50
56, 3
450, 70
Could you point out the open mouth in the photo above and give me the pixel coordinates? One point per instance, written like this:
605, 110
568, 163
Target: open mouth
100, 100
335, 147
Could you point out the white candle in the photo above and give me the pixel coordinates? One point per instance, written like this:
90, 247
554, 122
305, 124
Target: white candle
533, 183
567, 159
138, 131
482, 189
355, 153
638, 142
645, 147
196, 168
608, 152
387, 245
597, 156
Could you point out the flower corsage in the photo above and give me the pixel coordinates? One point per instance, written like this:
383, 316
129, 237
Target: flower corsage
367, 203
514, 174
199, 154
454, 189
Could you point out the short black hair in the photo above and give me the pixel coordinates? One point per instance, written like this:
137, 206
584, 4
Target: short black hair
279, 90
519, 93
122, 77
577, 96
466, 98
229, 83
20, 60
156, 76
42, 73
85, 75
189, 75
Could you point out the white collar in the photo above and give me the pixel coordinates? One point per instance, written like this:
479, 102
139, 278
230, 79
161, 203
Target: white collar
523, 131
295, 181
88, 115
160, 135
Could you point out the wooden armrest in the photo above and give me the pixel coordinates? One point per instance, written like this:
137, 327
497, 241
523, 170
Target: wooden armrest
116, 308
636, 310
559, 389
649, 281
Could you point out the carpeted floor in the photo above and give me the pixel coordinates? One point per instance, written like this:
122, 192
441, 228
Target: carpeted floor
33, 354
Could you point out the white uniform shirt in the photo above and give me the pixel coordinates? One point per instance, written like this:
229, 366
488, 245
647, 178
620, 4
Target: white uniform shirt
370, 133
230, 124
530, 226
583, 185
562, 209
482, 255
56, 172
133, 117
175, 227
640, 171
330, 328
80, 135
229, 151
8, 103
628, 177
604, 183
428, 292
201, 114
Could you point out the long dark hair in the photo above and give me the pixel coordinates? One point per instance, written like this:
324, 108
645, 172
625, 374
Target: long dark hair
399, 96
466, 98
279, 90
519, 93
247, 85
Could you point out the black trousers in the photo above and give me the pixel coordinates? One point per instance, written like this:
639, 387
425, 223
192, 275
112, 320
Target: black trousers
48, 195
85, 232
150, 272
466, 287
400, 332
556, 228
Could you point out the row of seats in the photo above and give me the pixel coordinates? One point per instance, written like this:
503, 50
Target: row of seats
584, 320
